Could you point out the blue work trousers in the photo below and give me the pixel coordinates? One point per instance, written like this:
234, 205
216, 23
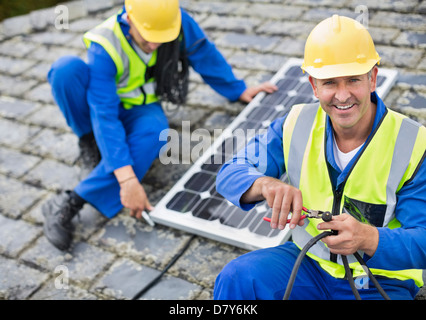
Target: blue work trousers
69, 79
263, 275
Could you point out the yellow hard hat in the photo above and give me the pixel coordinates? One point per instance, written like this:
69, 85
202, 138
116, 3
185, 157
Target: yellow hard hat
156, 20
338, 47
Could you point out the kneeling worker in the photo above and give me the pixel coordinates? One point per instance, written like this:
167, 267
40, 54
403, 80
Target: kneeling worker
348, 154
136, 59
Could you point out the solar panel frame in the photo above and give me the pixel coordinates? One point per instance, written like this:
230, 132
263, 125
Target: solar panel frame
191, 193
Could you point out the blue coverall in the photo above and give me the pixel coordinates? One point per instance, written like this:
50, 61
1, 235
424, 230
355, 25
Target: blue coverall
87, 96
263, 274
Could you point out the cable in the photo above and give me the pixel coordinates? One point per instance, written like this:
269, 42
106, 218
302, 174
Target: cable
371, 276
350, 278
299, 261
345, 263
171, 263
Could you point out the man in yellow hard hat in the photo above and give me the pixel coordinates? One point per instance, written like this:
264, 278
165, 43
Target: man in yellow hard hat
347, 154
137, 58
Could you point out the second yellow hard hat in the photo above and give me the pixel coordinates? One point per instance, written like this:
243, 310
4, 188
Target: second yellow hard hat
338, 47
156, 20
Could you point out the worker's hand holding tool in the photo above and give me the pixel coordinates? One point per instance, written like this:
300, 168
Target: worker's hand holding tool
350, 234
281, 197
133, 197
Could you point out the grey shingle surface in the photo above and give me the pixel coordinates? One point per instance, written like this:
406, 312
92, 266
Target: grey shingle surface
114, 259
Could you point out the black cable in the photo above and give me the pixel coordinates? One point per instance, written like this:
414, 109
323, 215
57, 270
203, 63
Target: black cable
171, 71
299, 261
371, 276
350, 278
171, 263
345, 263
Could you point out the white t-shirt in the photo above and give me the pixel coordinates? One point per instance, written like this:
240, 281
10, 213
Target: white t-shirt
342, 159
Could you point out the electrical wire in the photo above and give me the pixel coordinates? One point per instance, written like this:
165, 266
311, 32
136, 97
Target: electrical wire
345, 263
350, 278
371, 276
299, 261
171, 263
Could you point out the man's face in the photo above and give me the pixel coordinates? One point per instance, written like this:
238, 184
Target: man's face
146, 46
347, 99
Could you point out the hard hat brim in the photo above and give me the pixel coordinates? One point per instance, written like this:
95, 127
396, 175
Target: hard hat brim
340, 70
159, 36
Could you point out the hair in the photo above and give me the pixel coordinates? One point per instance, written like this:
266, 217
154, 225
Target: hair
371, 70
171, 71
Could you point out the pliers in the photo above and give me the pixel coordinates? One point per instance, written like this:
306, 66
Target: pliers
318, 214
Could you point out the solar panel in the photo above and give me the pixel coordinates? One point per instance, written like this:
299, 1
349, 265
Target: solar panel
193, 204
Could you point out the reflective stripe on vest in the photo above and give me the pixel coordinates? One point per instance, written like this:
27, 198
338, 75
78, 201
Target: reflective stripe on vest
132, 87
397, 145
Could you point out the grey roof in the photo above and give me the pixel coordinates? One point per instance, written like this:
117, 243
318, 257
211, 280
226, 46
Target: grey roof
114, 259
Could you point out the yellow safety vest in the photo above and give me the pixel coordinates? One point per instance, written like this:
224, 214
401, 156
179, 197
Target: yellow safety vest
132, 87
389, 160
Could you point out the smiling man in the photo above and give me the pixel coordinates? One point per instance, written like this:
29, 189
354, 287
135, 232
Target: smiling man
348, 154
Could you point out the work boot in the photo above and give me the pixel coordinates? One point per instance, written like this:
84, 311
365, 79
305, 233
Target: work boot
89, 152
58, 213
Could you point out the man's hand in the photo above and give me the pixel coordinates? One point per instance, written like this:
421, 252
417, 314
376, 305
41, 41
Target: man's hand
352, 235
133, 197
251, 92
281, 197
